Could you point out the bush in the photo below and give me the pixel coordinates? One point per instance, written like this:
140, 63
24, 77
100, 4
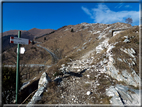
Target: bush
9, 84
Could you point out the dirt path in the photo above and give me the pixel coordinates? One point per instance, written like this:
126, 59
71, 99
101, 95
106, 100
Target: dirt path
52, 54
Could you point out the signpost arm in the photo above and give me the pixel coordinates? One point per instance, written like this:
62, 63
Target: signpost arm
17, 69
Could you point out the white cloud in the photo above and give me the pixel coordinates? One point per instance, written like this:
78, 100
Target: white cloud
86, 11
102, 14
128, 6
119, 5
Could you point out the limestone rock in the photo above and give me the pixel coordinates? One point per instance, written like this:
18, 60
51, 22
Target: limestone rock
36, 97
122, 95
88, 92
44, 79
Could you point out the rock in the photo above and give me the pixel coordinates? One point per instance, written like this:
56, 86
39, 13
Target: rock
36, 97
115, 98
88, 76
63, 65
129, 78
78, 70
44, 79
73, 96
105, 61
66, 75
58, 79
119, 59
126, 41
122, 95
88, 92
130, 52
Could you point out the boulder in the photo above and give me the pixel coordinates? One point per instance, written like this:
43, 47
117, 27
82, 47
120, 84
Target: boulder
43, 82
88, 92
44, 79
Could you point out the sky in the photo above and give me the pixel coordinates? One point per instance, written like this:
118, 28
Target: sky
25, 16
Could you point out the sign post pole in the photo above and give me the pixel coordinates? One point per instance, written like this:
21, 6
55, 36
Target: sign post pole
18, 41
17, 69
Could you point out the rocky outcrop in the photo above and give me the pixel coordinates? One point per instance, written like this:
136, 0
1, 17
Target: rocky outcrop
123, 95
44, 80
43, 83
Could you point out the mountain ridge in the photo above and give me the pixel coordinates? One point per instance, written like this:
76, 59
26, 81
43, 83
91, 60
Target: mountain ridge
29, 34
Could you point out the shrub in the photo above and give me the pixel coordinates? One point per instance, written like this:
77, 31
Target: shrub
9, 84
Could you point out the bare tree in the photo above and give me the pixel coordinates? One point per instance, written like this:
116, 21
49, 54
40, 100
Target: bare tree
129, 20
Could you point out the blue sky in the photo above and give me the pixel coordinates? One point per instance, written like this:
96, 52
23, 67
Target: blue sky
25, 16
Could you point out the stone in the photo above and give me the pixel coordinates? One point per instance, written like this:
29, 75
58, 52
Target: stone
44, 80
36, 97
63, 65
88, 76
88, 93
122, 95
78, 70
126, 40
130, 52
58, 79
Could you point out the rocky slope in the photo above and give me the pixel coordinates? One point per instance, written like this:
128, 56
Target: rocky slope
108, 73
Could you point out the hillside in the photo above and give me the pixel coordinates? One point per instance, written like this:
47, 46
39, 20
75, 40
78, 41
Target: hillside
95, 66
94, 62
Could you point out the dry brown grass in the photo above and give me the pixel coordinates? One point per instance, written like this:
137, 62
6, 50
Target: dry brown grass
32, 55
100, 92
52, 96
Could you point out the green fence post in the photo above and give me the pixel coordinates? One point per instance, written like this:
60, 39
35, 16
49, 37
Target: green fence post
17, 69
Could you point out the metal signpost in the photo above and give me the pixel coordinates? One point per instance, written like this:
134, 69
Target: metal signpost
17, 68
18, 41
